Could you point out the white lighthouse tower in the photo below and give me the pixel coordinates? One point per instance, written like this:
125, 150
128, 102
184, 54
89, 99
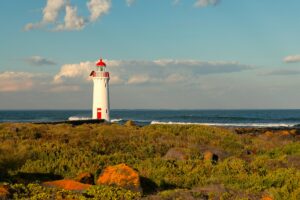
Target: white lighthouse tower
101, 92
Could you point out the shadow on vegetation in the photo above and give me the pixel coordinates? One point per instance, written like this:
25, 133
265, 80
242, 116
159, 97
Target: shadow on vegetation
33, 177
149, 187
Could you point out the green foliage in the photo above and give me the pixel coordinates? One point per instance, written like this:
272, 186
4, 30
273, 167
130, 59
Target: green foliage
113, 193
248, 164
38, 192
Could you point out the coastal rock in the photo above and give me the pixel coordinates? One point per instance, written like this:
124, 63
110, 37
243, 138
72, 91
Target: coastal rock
269, 133
177, 154
4, 192
267, 198
130, 123
67, 185
120, 175
216, 189
210, 157
14, 129
86, 178
292, 132
219, 153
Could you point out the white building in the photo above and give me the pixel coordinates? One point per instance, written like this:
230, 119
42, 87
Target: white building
101, 92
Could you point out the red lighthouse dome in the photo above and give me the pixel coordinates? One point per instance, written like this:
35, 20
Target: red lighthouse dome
100, 63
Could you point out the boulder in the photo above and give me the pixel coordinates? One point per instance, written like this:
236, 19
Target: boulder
130, 123
177, 154
86, 178
218, 153
67, 185
4, 192
267, 198
268, 133
120, 175
208, 156
292, 132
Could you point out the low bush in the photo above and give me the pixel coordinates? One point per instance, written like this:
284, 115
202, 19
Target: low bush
250, 164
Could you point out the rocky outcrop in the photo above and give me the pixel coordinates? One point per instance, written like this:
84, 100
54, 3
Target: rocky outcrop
120, 175
86, 178
130, 123
287, 132
267, 198
4, 192
67, 185
213, 153
208, 156
177, 154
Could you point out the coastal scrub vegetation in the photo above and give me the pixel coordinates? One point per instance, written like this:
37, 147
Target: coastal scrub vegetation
173, 161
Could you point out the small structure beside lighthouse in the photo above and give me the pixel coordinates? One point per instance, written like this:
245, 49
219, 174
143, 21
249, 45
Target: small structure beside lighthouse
101, 92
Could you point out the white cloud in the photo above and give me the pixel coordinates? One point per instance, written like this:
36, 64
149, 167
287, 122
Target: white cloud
176, 2
138, 79
50, 14
71, 21
15, 81
116, 80
31, 26
135, 72
80, 70
130, 2
283, 72
51, 11
98, 8
174, 78
65, 88
39, 61
205, 3
292, 59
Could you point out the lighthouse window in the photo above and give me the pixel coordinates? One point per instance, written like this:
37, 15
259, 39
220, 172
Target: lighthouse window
106, 110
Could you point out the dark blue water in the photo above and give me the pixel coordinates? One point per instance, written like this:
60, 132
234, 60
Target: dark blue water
257, 118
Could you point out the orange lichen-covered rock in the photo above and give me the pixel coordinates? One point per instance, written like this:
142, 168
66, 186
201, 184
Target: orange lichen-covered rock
267, 198
294, 131
120, 175
67, 185
4, 192
268, 133
291, 132
285, 132
86, 178
210, 157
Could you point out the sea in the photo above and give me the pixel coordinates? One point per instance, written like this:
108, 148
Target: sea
232, 118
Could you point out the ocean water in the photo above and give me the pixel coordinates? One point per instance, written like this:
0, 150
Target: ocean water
239, 118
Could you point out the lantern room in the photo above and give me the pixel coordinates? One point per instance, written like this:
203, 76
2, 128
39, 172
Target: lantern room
101, 70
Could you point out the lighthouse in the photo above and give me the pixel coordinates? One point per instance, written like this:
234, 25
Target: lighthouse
100, 92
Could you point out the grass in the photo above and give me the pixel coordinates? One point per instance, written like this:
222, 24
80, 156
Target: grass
249, 165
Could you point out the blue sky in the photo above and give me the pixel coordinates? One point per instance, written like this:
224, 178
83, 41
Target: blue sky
161, 53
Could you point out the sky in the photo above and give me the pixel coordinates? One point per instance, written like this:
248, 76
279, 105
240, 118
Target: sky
161, 54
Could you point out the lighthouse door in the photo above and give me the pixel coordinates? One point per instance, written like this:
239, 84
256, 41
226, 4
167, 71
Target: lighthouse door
99, 113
